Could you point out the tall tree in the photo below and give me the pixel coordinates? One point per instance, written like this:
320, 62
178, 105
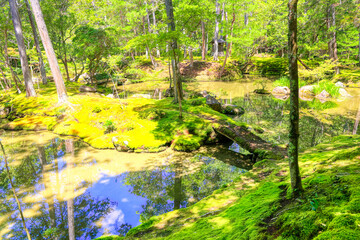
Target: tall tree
29, 86
54, 66
174, 52
294, 100
332, 28
216, 34
37, 43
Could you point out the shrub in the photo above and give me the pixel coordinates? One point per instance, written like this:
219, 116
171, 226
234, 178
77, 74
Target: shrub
109, 126
327, 86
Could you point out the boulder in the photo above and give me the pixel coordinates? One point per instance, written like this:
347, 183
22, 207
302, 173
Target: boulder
340, 84
232, 109
281, 91
344, 93
307, 90
110, 96
169, 92
85, 88
213, 103
323, 95
84, 77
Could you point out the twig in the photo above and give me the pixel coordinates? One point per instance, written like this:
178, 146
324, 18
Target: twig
13, 189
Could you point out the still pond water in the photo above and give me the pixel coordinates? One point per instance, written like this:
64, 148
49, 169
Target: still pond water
112, 192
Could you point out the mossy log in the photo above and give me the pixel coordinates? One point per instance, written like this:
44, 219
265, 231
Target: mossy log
249, 141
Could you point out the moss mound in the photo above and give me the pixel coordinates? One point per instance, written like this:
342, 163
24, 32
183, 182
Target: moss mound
258, 204
129, 125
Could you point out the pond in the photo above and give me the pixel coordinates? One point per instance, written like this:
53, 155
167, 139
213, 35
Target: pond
112, 191
109, 191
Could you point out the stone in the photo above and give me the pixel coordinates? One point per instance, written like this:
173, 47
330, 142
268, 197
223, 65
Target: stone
344, 93
281, 91
213, 103
340, 84
169, 92
110, 96
323, 95
84, 78
85, 88
36, 80
230, 109
307, 90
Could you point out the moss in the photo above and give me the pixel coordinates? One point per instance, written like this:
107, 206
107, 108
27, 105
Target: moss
187, 143
109, 238
339, 234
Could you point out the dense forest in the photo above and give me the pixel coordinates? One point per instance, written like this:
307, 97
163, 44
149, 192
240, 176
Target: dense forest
179, 119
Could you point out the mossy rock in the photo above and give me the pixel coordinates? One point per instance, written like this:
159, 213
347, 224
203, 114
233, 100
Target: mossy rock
186, 143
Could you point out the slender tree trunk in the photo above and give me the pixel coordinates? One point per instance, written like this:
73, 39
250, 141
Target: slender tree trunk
357, 120
37, 43
69, 145
30, 90
333, 43
294, 101
54, 66
228, 46
359, 48
155, 27
148, 51
191, 56
175, 58
216, 34
14, 192
203, 47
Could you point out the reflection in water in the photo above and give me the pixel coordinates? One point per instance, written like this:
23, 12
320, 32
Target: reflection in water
70, 191
319, 122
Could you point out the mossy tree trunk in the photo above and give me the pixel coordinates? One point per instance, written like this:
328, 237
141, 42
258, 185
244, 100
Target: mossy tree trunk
29, 86
174, 55
50, 53
37, 43
293, 151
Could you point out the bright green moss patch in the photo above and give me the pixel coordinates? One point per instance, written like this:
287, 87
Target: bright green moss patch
257, 206
127, 125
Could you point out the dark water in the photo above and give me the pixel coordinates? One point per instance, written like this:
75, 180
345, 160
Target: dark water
111, 191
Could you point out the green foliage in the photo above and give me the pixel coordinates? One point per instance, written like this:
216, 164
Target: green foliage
271, 66
327, 86
324, 71
109, 126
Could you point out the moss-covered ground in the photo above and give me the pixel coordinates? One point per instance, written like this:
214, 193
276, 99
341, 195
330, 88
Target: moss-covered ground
132, 124
258, 205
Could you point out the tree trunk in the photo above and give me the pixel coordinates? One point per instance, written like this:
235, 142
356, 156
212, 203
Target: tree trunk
203, 48
333, 43
37, 43
30, 90
228, 46
54, 66
191, 56
14, 192
174, 55
293, 150
155, 27
148, 51
359, 48
69, 145
216, 34
177, 186
357, 120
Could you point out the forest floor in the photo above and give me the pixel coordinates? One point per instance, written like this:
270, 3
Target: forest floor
258, 205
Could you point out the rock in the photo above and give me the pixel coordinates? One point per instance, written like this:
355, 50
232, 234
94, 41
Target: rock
213, 103
281, 97
323, 95
120, 146
204, 93
169, 92
110, 96
307, 90
84, 78
85, 88
281, 91
340, 84
344, 93
232, 109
